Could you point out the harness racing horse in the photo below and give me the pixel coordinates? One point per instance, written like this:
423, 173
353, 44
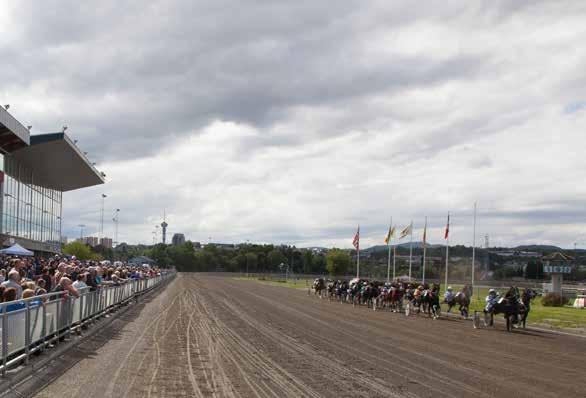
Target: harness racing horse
319, 286
331, 289
424, 303
409, 297
462, 299
510, 307
526, 297
340, 290
354, 291
431, 302
382, 300
396, 297
368, 294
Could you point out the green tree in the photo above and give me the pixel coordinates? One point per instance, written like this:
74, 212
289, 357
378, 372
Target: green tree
252, 260
275, 258
159, 253
182, 257
319, 264
307, 262
80, 250
338, 262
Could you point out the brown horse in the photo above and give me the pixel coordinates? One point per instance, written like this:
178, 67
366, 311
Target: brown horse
462, 299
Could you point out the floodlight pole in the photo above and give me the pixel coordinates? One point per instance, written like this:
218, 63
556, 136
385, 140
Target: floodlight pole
115, 219
81, 227
102, 217
474, 248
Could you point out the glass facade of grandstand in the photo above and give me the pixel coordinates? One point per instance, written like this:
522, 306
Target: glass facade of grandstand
29, 210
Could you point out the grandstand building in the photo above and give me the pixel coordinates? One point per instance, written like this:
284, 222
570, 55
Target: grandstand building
34, 173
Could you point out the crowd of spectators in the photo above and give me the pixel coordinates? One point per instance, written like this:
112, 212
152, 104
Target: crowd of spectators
26, 277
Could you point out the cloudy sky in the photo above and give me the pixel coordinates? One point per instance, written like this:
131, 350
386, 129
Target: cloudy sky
294, 121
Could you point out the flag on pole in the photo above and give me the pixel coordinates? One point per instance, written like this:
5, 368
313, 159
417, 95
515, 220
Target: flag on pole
447, 234
390, 234
406, 231
356, 241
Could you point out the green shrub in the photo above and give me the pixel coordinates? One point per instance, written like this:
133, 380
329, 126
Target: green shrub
553, 300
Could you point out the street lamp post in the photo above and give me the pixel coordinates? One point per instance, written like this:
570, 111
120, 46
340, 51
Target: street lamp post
81, 227
115, 219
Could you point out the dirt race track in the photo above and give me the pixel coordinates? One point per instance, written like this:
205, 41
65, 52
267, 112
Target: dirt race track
206, 336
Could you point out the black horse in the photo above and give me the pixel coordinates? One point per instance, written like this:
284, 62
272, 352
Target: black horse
431, 301
369, 293
510, 307
526, 297
341, 289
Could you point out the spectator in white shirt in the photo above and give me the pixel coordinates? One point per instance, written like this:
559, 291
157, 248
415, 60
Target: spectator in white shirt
14, 281
80, 282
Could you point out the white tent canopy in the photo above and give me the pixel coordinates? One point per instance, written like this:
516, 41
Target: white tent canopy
17, 250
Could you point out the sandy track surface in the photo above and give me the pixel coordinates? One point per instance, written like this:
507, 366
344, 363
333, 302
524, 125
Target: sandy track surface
206, 336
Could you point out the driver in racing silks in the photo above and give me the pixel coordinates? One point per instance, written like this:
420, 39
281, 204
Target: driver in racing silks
491, 300
448, 295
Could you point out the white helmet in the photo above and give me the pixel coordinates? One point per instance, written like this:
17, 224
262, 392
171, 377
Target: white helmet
449, 288
491, 291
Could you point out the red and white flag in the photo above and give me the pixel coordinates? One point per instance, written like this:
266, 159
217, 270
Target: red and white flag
447, 228
356, 241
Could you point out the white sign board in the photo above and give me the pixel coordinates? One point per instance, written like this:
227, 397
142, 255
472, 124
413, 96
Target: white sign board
557, 269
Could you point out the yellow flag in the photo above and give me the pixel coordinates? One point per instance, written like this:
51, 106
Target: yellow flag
390, 235
406, 231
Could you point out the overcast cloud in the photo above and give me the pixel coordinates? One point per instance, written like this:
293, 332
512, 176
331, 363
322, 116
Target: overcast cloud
292, 122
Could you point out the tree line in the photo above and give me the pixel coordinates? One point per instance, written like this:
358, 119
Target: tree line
250, 258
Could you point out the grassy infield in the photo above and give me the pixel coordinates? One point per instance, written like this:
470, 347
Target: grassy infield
554, 317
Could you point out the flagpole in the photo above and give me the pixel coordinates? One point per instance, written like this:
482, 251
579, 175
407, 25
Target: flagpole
394, 258
358, 254
474, 247
410, 250
447, 255
358, 261
447, 248
389, 256
424, 250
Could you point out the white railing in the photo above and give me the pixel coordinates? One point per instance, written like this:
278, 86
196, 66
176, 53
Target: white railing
30, 325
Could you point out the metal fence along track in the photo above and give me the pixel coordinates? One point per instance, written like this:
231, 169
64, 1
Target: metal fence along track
44, 320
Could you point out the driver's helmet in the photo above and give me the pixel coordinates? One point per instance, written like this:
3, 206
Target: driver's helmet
449, 288
420, 287
492, 291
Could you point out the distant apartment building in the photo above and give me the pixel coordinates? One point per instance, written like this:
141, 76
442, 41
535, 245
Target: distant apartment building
106, 242
178, 239
90, 240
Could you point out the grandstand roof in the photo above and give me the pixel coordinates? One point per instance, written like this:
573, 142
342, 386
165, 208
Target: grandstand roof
58, 163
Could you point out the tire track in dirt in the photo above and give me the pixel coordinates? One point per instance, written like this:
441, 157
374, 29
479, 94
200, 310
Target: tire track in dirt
413, 370
216, 337
277, 381
153, 323
472, 365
